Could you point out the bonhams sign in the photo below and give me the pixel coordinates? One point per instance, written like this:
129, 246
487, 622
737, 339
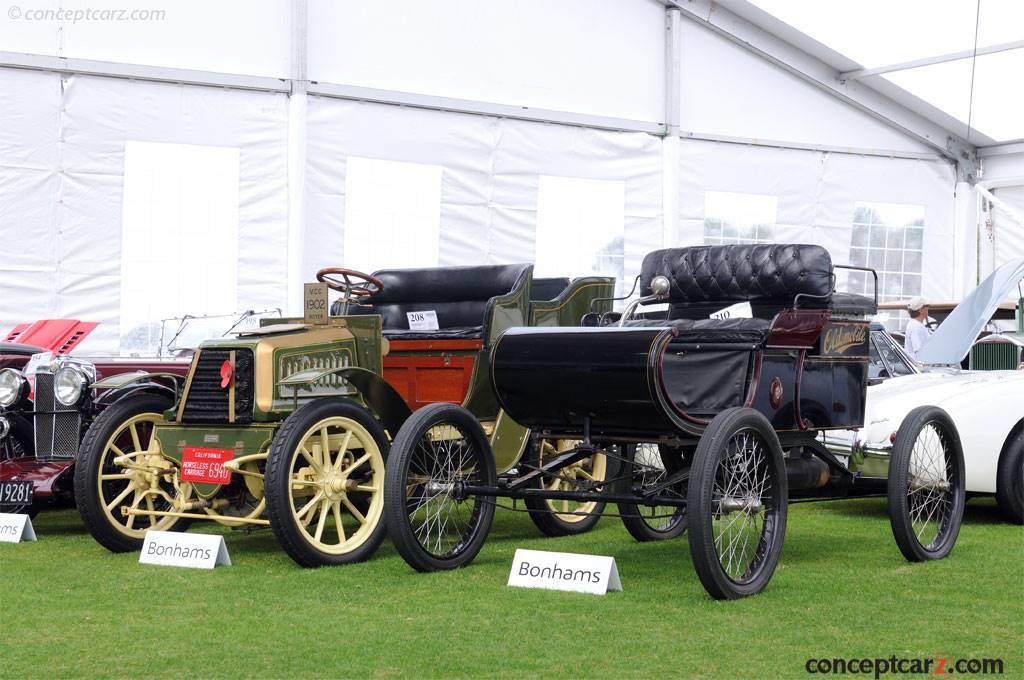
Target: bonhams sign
595, 574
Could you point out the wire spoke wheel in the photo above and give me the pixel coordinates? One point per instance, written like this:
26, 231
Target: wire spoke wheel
325, 483
434, 522
737, 504
562, 517
650, 465
122, 475
926, 484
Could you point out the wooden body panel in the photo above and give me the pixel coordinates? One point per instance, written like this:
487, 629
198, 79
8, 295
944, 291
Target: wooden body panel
431, 371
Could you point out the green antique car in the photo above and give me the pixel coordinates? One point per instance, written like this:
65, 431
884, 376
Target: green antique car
289, 425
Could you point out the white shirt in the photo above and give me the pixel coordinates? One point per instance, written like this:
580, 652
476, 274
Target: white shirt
917, 335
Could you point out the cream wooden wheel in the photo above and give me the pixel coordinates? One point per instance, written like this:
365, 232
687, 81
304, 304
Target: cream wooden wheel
560, 517
325, 483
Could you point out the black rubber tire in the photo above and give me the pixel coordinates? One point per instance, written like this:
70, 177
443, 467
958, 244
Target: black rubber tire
277, 480
899, 480
1010, 479
711, 451
90, 454
397, 505
544, 517
633, 516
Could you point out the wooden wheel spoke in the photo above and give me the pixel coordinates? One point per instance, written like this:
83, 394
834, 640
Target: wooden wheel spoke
367, 489
354, 510
325, 446
134, 506
136, 442
342, 450
120, 497
308, 507
151, 508
325, 505
362, 459
310, 458
338, 528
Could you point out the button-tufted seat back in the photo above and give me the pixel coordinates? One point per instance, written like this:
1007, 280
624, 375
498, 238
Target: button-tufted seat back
769, 276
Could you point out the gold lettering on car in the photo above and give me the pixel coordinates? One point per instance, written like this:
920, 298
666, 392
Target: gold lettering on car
838, 339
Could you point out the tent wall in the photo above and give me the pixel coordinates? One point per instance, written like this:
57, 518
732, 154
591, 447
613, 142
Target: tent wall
63, 139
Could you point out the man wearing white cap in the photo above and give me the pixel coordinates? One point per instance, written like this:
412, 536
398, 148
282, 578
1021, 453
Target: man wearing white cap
917, 332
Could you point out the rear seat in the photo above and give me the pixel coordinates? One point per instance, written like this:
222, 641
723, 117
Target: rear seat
771, 277
461, 297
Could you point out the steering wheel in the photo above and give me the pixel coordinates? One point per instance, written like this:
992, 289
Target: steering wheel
349, 282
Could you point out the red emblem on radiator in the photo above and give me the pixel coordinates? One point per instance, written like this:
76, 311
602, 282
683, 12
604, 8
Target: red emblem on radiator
227, 372
775, 392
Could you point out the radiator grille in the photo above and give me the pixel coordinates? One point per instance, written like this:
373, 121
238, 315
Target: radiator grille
995, 356
331, 385
206, 401
58, 429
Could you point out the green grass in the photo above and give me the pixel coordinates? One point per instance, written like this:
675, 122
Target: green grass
71, 609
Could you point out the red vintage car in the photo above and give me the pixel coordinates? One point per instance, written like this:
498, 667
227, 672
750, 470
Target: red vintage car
46, 406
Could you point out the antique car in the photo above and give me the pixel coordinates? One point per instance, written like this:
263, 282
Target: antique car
289, 425
735, 404
53, 397
986, 406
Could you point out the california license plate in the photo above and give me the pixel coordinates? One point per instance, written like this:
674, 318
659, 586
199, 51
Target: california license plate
15, 495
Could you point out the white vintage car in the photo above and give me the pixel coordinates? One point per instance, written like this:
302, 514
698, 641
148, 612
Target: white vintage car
986, 406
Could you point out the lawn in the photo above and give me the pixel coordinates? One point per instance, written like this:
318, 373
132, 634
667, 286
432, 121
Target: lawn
71, 609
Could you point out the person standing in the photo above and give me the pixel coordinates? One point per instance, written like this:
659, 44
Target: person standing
917, 332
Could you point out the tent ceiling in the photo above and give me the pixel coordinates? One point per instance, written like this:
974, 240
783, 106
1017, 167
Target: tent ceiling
883, 35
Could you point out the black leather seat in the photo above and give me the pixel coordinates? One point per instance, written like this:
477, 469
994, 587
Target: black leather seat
460, 296
771, 277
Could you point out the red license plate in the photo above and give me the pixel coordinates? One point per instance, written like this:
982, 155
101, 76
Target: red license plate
201, 464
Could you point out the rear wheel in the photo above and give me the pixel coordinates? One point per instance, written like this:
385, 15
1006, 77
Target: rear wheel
433, 521
1010, 480
650, 464
564, 517
120, 469
737, 504
926, 485
325, 483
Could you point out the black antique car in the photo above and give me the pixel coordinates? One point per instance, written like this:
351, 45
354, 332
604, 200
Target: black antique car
755, 355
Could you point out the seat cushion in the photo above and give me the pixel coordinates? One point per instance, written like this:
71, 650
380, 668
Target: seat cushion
768, 273
446, 284
745, 331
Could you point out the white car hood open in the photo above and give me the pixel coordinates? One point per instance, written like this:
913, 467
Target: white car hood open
953, 339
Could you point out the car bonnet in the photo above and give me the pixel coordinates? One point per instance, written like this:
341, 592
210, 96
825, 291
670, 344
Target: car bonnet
953, 339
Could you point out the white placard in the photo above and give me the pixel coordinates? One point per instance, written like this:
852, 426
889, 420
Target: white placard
595, 574
16, 528
422, 321
174, 549
740, 310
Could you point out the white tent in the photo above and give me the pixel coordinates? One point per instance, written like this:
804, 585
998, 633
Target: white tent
197, 157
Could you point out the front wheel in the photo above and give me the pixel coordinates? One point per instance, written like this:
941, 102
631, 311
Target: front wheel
120, 471
926, 485
435, 523
1010, 480
325, 483
737, 504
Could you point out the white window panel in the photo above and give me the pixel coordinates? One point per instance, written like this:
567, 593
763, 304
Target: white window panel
731, 218
889, 238
580, 227
179, 248
392, 214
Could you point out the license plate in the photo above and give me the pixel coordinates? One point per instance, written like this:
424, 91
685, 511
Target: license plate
205, 465
15, 495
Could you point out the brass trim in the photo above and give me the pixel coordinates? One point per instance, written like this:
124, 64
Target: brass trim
263, 365
231, 388
188, 386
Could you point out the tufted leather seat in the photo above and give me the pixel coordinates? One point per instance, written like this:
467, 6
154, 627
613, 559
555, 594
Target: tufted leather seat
771, 277
460, 296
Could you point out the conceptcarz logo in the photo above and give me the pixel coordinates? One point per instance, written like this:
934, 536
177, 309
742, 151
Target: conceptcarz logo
934, 666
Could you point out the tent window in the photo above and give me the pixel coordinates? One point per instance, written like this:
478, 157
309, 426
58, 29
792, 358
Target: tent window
392, 214
731, 218
179, 245
580, 227
889, 238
